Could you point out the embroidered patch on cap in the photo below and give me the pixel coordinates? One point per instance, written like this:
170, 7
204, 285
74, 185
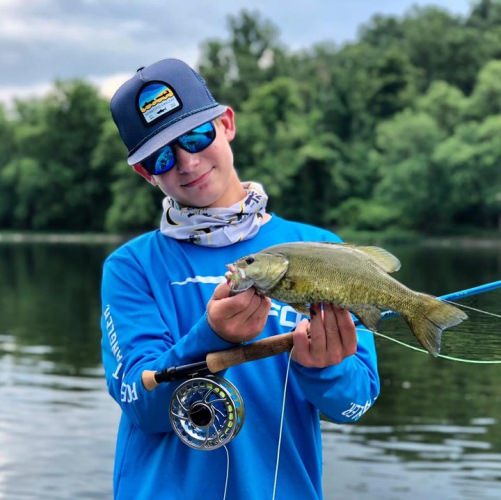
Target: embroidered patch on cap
155, 100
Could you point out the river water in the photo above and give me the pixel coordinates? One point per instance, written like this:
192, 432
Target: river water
435, 431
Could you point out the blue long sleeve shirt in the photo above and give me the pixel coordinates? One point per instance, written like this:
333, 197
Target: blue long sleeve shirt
154, 296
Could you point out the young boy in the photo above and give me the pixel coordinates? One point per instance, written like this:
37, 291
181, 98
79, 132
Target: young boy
166, 303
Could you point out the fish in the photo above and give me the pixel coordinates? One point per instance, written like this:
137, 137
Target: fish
353, 277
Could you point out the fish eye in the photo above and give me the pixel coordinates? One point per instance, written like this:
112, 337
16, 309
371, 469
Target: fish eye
249, 260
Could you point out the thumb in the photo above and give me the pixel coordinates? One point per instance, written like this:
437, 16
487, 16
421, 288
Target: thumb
222, 291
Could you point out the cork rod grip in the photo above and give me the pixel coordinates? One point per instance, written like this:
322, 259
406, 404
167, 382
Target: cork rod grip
220, 360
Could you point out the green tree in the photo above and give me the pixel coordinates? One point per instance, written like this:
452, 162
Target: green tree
128, 204
397, 127
284, 147
356, 87
410, 182
54, 138
270, 129
486, 97
485, 15
107, 162
470, 160
6, 154
74, 118
251, 56
445, 104
443, 48
24, 179
440, 45
363, 214
135, 204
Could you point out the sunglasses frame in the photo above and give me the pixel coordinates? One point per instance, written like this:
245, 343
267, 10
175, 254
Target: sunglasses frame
154, 157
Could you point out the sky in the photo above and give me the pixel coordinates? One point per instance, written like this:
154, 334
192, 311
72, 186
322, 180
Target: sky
105, 41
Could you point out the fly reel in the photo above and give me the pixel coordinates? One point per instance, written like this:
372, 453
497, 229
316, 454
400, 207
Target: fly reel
206, 412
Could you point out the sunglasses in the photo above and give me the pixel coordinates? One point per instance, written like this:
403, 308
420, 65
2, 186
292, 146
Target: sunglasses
194, 141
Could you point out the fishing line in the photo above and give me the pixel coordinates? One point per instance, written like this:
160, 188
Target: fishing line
227, 471
472, 308
281, 425
450, 358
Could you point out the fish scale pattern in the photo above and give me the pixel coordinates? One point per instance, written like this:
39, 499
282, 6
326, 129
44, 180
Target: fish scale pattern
356, 278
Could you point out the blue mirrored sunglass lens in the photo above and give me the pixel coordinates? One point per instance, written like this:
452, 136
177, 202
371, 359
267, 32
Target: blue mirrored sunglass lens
160, 161
198, 139
165, 160
194, 141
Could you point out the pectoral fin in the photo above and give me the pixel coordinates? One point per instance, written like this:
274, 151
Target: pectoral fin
368, 315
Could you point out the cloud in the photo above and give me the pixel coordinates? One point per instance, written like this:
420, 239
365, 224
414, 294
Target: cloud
45, 40
109, 85
8, 94
51, 39
106, 86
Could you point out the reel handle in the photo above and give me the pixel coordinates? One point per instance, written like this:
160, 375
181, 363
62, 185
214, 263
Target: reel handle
220, 360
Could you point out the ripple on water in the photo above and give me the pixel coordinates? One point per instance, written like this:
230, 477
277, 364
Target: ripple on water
414, 461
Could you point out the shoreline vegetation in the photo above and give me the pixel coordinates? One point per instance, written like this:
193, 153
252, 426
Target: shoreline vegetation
395, 236
63, 238
400, 128
391, 236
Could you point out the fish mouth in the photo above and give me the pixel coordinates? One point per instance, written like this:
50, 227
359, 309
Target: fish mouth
237, 279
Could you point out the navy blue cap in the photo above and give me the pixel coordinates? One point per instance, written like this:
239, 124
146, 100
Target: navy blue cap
158, 104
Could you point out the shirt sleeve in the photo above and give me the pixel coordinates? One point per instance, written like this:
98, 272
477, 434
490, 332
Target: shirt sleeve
136, 337
343, 392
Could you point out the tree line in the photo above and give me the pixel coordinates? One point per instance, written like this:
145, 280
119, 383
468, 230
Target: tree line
400, 128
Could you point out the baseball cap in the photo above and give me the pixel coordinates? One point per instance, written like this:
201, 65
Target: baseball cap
158, 104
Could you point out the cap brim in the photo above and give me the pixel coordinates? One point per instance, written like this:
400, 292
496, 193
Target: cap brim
174, 131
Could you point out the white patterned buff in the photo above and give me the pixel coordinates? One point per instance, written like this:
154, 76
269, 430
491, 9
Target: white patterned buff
216, 227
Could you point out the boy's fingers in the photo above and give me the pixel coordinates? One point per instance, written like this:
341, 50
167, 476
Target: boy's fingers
221, 291
347, 330
333, 339
318, 341
230, 306
260, 307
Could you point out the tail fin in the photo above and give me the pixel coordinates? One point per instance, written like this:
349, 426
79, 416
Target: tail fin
433, 316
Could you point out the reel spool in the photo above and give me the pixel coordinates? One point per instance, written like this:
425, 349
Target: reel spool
206, 413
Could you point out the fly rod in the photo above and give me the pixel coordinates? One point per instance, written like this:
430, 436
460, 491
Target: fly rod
277, 344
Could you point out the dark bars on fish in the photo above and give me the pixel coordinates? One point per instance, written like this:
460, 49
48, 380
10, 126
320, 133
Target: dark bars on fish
220, 360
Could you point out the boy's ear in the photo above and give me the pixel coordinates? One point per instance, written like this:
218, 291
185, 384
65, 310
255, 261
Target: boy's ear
144, 173
227, 121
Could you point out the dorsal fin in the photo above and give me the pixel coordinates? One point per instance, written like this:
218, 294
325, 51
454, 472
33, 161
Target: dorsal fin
384, 259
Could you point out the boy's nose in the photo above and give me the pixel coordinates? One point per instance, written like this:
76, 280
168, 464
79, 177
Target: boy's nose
185, 161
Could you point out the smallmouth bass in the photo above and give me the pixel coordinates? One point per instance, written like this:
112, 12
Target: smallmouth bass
353, 277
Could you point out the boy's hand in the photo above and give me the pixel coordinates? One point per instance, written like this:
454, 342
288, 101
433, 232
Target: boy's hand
238, 318
325, 340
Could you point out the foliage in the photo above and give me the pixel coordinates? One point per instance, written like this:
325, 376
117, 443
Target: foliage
399, 130
251, 56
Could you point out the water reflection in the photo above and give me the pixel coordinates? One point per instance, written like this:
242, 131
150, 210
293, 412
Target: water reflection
457, 463
434, 433
57, 424
49, 297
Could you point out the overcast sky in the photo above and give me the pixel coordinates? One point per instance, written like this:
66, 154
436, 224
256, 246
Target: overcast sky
104, 41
